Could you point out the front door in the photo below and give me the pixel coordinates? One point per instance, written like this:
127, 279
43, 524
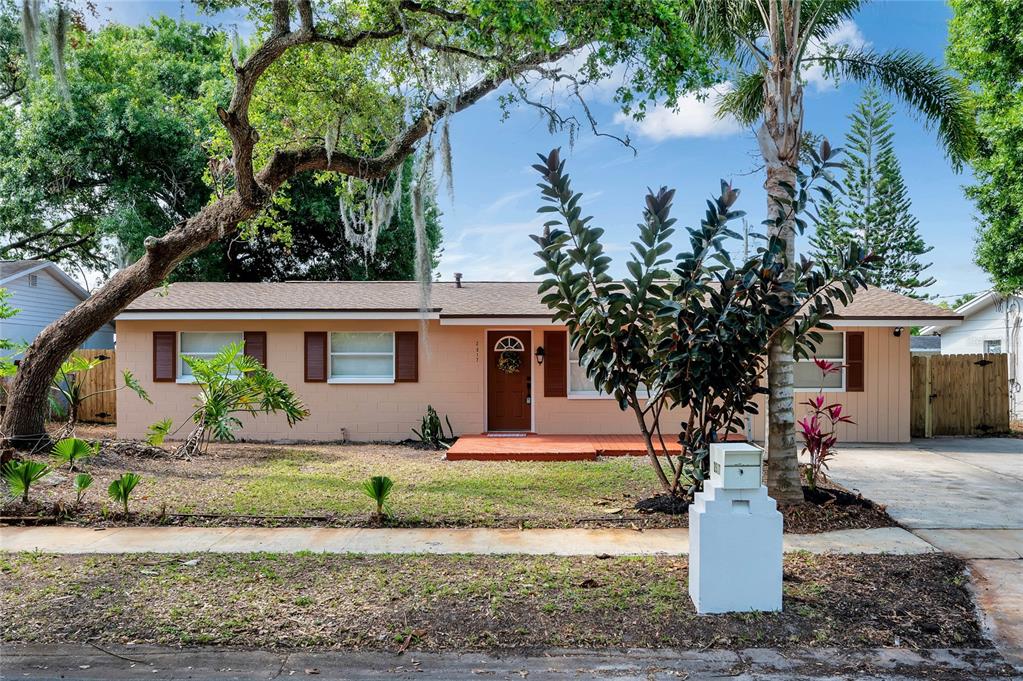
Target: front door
508, 380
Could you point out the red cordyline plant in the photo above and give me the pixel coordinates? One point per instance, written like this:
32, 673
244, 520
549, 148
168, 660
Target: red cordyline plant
818, 428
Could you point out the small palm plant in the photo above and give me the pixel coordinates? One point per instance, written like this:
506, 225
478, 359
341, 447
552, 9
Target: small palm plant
21, 474
121, 488
69, 383
83, 481
378, 488
230, 384
72, 449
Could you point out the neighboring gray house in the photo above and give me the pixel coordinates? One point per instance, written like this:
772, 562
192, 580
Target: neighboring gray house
925, 345
992, 323
42, 292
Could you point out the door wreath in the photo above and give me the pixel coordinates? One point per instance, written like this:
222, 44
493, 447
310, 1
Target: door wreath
510, 361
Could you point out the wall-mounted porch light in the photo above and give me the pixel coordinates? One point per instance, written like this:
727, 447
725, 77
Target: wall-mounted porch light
539, 354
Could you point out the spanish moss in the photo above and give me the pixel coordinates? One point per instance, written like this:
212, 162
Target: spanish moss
58, 42
30, 34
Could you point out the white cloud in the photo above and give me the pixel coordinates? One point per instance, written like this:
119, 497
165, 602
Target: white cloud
509, 199
845, 34
492, 252
695, 115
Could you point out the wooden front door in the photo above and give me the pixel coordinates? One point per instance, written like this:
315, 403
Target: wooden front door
508, 394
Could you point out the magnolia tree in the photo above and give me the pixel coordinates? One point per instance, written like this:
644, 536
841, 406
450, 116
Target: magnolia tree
689, 333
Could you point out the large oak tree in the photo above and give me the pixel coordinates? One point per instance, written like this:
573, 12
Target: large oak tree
352, 88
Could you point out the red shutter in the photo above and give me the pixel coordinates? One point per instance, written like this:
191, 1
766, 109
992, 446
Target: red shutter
315, 356
406, 356
165, 356
854, 361
555, 364
255, 345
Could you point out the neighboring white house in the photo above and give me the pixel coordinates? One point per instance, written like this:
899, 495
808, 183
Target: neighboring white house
992, 323
42, 292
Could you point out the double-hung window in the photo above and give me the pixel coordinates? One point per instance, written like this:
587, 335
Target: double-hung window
581, 386
202, 345
360, 357
808, 376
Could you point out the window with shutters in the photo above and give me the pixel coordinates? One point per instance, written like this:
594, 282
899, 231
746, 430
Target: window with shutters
361, 357
202, 345
807, 374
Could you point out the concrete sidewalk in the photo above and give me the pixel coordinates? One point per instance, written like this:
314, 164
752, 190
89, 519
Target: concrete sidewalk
569, 542
120, 663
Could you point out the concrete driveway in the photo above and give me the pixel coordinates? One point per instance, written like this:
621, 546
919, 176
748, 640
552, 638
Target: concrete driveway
963, 496
972, 483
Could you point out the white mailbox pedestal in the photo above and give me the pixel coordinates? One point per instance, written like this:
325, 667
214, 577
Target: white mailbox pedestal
735, 533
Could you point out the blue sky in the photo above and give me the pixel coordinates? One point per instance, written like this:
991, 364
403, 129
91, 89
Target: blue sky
487, 225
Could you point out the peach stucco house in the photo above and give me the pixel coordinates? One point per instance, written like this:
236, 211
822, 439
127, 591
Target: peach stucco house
367, 361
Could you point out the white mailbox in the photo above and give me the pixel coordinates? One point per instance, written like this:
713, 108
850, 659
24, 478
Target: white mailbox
735, 533
736, 465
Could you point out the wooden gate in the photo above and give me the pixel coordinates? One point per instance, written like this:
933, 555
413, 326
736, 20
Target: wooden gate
101, 408
959, 395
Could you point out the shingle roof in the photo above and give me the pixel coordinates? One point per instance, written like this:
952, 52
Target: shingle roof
473, 299
925, 344
12, 267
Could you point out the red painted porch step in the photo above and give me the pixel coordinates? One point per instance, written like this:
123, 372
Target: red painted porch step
535, 447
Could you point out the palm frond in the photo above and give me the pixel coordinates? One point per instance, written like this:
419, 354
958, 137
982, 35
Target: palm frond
820, 17
746, 101
919, 82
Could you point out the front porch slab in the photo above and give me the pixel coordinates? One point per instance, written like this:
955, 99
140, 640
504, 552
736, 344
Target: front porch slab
534, 447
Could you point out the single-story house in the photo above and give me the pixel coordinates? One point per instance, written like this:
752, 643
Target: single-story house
42, 292
992, 324
367, 361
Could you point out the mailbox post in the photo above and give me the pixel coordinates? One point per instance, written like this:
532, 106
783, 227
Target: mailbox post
735, 536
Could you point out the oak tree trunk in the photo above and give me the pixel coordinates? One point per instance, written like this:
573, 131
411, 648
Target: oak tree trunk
24, 420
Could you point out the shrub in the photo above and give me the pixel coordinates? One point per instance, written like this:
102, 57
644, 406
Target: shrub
83, 481
378, 488
692, 331
818, 428
121, 489
431, 432
21, 474
71, 449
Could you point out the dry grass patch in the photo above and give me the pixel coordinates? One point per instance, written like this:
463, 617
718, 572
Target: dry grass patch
323, 483
471, 602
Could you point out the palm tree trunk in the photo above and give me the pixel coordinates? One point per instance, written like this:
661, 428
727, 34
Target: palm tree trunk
779, 138
783, 464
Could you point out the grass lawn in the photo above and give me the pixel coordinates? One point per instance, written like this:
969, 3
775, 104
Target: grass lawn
470, 602
326, 480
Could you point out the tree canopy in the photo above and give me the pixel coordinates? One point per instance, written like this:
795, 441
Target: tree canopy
122, 152
985, 46
138, 99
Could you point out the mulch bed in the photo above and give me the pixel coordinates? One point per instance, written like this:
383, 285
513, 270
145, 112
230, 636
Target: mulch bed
397, 603
829, 507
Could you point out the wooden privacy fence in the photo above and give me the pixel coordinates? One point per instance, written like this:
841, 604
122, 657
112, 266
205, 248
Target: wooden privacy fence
959, 395
99, 408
